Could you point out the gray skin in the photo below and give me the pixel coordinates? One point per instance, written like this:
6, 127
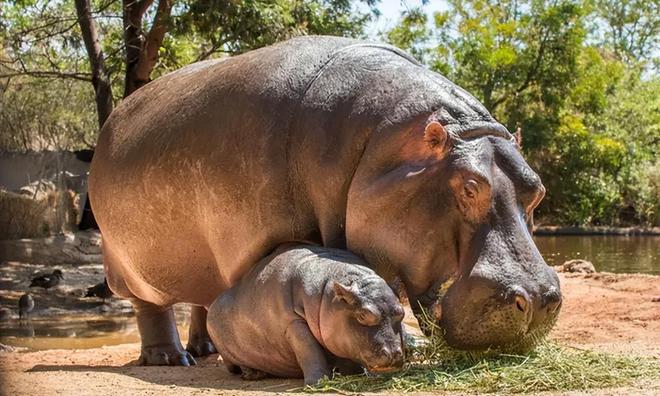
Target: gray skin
306, 311
346, 144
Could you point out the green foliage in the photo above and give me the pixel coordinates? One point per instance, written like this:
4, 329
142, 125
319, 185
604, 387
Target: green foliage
43, 61
412, 34
47, 114
236, 26
589, 115
630, 28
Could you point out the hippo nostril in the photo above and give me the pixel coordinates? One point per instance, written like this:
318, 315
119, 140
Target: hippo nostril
522, 304
552, 300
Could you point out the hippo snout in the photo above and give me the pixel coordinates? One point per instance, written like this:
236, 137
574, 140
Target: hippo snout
389, 359
480, 313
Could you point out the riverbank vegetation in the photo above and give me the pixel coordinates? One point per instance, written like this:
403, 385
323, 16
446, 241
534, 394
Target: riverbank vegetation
578, 78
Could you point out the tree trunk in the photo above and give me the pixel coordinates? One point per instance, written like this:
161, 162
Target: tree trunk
142, 49
100, 79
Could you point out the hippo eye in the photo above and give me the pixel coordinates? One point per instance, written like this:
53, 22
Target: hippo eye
398, 314
471, 188
367, 317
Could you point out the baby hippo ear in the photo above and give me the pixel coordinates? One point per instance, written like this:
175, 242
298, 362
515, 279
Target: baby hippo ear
435, 135
345, 293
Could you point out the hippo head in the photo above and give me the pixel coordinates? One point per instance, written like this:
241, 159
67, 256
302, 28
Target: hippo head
361, 321
449, 211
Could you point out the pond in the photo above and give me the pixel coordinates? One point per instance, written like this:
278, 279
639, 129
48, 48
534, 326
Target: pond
620, 254
78, 329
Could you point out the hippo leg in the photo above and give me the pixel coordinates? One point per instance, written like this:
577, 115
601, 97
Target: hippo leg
161, 345
346, 366
199, 341
308, 351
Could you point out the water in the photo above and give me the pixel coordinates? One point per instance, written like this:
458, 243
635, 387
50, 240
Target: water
638, 254
69, 332
619, 254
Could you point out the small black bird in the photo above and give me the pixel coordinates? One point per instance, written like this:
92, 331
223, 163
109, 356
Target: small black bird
25, 306
47, 281
101, 290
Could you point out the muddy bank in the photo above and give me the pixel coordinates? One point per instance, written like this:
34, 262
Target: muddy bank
606, 312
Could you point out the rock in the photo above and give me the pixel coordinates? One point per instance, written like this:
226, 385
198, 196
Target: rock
579, 266
655, 299
83, 247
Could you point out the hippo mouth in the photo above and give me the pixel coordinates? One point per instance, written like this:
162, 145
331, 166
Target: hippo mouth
428, 306
496, 322
522, 343
383, 369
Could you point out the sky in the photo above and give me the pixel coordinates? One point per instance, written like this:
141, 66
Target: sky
391, 11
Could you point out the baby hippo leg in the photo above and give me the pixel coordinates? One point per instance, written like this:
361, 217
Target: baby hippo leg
247, 373
346, 366
308, 351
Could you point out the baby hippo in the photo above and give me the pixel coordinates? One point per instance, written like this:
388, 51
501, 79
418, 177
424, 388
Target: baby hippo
305, 311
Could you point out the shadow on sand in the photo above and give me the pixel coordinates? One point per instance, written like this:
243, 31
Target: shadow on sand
208, 373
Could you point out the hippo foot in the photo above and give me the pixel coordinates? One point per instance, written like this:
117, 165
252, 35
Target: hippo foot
201, 347
165, 355
313, 378
250, 374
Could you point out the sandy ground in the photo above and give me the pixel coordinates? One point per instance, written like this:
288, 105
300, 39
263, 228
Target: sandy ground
614, 313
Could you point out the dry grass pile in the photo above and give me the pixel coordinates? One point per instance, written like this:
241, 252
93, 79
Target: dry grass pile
22, 216
435, 366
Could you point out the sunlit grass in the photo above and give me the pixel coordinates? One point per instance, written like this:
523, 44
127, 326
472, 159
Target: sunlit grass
549, 367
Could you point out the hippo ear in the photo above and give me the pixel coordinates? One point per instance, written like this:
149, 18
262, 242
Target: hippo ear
345, 293
518, 138
435, 135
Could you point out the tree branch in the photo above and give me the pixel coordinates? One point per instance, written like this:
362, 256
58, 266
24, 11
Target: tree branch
140, 66
100, 79
49, 74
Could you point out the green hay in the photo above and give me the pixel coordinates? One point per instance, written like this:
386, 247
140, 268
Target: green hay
548, 368
435, 366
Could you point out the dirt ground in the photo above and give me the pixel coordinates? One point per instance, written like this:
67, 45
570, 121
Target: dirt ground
606, 312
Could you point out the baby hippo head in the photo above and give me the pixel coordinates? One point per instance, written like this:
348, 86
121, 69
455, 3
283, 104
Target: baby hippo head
361, 321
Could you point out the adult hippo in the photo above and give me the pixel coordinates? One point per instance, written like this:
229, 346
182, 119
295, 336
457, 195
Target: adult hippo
331, 141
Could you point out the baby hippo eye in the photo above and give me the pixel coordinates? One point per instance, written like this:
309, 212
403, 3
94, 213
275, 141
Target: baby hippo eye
398, 313
366, 317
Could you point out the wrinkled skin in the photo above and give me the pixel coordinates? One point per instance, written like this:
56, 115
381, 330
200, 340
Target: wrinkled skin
203, 172
479, 273
307, 310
